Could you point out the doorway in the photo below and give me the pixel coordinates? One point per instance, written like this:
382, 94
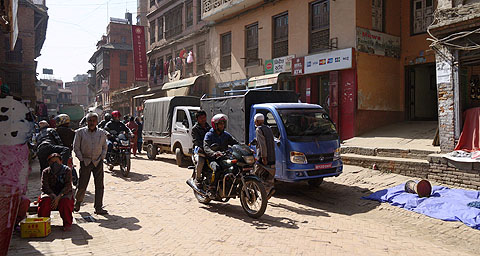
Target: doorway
421, 93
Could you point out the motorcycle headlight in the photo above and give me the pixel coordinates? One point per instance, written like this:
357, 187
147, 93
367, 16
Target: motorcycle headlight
125, 143
336, 154
249, 159
298, 157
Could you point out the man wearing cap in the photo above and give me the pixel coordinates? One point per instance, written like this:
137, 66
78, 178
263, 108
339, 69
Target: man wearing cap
57, 191
90, 146
265, 167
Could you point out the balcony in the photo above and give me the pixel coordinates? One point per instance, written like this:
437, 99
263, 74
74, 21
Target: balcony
213, 10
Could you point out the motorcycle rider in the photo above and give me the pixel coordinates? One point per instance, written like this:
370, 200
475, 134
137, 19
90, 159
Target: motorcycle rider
67, 135
107, 118
217, 135
198, 134
117, 126
49, 142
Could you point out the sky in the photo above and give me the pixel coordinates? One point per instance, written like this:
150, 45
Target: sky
74, 27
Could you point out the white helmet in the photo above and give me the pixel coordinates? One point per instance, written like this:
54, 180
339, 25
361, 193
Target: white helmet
217, 118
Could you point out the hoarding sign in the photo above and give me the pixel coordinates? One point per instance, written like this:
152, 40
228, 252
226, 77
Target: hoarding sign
139, 53
279, 65
377, 43
328, 61
298, 65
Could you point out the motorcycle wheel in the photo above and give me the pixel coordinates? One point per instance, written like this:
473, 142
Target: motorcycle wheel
125, 166
257, 204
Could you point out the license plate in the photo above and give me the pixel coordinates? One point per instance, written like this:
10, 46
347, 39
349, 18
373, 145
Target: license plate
323, 166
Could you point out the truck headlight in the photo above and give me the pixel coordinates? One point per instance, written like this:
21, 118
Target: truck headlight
336, 154
298, 157
249, 159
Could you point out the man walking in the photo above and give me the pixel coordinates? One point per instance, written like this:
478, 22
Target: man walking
265, 167
90, 146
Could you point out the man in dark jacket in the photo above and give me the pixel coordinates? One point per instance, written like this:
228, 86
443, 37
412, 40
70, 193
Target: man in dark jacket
139, 122
218, 136
107, 118
115, 126
67, 135
49, 142
265, 167
198, 134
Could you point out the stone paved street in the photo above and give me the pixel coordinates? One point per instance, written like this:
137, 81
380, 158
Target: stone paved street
153, 212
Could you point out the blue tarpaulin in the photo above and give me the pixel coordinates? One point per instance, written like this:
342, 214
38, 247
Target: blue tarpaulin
444, 203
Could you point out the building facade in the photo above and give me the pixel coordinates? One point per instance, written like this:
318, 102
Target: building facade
367, 63
457, 66
81, 93
18, 65
114, 68
177, 49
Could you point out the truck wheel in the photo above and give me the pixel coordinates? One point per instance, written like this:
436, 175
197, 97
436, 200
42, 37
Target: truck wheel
152, 151
315, 182
179, 157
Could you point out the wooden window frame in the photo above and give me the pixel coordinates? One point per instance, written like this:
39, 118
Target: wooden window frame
413, 16
152, 31
160, 31
279, 40
223, 65
126, 77
188, 20
323, 28
254, 47
200, 60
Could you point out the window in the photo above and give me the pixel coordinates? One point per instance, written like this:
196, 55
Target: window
189, 66
320, 26
422, 14
200, 58
189, 14
181, 117
17, 54
173, 22
123, 77
152, 32
160, 28
152, 3
14, 81
280, 35
270, 121
251, 45
123, 58
377, 15
226, 51
199, 11
124, 39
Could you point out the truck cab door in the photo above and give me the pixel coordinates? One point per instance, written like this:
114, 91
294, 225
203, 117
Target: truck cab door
277, 129
181, 129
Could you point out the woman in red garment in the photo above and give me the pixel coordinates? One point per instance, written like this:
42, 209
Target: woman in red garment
134, 128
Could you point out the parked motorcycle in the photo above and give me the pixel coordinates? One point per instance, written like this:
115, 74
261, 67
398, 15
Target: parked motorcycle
235, 179
120, 154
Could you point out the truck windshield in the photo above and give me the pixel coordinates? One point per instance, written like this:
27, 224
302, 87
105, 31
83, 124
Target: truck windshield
192, 116
308, 124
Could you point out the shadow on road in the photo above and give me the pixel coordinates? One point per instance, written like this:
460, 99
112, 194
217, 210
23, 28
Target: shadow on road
265, 222
116, 222
329, 197
158, 158
132, 176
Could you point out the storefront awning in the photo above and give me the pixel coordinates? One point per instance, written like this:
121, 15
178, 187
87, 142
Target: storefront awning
265, 80
144, 96
181, 83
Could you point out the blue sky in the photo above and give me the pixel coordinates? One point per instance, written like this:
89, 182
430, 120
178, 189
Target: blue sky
74, 27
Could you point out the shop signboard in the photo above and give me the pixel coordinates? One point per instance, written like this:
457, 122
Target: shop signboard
298, 65
139, 53
327, 61
279, 65
377, 43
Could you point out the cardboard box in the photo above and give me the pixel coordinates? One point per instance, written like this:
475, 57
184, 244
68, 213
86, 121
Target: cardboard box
35, 227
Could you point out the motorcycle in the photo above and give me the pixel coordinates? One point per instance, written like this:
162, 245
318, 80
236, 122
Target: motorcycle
120, 154
235, 180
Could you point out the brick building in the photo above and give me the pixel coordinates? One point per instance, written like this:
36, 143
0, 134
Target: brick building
81, 93
18, 66
114, 68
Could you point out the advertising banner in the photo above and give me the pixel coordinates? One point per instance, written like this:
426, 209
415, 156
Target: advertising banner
298, 65
377, 43
279, 65
139, 53
328, 61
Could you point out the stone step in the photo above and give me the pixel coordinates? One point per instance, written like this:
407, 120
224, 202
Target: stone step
404, 166
388, 152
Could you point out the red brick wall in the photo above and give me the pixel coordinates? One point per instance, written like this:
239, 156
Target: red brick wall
115, 69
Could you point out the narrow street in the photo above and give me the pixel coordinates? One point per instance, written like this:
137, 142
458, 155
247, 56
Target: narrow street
153, 212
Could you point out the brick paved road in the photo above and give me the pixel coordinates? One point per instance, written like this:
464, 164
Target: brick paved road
153, 212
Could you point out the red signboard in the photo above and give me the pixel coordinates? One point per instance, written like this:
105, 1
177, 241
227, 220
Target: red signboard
139, 53
298, 66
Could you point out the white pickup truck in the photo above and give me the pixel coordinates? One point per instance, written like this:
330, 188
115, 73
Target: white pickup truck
168, 123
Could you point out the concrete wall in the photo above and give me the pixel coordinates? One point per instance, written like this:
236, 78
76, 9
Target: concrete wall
342, 26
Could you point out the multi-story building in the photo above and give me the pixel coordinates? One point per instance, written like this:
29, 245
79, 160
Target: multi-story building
81, 94
113, 62
367, 62
177, 49
455, 43
17, 64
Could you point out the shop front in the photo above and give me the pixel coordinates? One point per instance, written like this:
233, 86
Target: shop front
328, 79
